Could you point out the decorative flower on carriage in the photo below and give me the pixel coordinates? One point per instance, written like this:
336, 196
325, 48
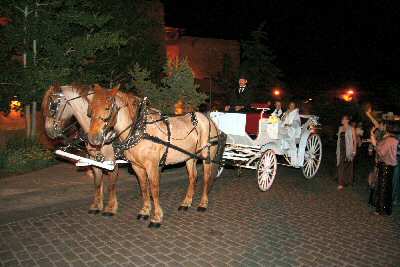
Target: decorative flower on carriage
273, 119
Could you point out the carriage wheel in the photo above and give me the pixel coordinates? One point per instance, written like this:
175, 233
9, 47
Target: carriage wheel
266, 170
312, 156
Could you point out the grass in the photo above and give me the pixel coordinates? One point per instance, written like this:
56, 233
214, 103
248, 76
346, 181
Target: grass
21, 155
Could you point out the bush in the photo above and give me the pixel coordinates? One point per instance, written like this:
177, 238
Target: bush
178, 84
23, 155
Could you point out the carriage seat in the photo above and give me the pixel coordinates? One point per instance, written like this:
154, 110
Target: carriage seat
253, 122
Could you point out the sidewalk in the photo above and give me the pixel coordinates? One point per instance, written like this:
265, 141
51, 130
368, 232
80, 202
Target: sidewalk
58, 187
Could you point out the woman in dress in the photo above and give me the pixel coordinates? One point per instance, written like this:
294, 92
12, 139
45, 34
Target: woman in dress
386, 150
345, 152
291, 127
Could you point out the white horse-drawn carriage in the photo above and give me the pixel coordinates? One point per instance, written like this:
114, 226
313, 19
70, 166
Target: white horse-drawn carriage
299, 147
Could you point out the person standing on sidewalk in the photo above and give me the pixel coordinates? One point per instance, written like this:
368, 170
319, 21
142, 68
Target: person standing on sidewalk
396, 177
386, 150
345, 152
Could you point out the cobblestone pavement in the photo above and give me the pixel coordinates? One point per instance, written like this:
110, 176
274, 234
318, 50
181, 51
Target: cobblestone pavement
297, 222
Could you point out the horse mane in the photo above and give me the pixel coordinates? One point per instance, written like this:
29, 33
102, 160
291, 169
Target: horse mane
45, 102
82, 90
131, 102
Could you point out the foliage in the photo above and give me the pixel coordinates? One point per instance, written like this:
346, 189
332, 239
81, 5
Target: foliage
257, 64
83, 41
177, 84
228, 77
23, 155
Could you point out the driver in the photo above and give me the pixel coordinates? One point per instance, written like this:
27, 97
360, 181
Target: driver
291, 129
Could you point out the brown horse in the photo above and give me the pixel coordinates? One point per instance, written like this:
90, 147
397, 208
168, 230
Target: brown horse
59, 105
136, 126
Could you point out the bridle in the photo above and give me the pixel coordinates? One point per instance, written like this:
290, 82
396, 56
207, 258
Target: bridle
56, 107
108, 134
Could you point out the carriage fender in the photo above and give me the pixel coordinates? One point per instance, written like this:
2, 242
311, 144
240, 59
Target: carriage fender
271, 146
302, 146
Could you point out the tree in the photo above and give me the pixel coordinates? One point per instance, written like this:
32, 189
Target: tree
257, 64
177, 84
76, 41
228, 77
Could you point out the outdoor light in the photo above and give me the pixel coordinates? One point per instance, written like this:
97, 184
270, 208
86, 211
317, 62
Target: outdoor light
15, 104
347, 97
276, 92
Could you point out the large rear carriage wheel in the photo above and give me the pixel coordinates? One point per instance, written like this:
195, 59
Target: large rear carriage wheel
266, 170
312, 156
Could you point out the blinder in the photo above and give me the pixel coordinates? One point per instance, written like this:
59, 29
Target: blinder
109, 121
54, 104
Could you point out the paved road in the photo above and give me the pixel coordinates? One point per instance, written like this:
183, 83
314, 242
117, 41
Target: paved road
297, 222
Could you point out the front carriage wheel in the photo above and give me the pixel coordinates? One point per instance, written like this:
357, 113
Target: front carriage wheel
312, 156
266, 170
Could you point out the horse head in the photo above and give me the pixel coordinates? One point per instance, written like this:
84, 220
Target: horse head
56, 112
103, 111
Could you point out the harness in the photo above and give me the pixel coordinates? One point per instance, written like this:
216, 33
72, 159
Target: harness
137, 133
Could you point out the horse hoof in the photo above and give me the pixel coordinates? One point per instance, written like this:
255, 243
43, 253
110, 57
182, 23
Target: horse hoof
154, 225
201, 209
144, 217
184, 208
93, 211
107, 214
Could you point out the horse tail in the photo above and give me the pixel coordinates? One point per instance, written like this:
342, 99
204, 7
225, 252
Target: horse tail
220, 147
217, 161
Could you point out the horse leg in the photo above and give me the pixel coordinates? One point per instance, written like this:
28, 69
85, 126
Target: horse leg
192, 172
153, 173
97, 204
144, 212
112, 205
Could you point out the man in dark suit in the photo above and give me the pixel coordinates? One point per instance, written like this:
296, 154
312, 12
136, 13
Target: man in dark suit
241, 96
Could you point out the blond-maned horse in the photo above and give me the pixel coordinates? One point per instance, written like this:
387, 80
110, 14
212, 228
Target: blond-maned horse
112, 110
60, 105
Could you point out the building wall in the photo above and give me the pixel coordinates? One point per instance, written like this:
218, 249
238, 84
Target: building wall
205, 56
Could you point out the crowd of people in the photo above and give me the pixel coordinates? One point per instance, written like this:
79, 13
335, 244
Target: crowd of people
384, 174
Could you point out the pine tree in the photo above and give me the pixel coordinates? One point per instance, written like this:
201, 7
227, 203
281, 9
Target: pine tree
257, 64
177, 84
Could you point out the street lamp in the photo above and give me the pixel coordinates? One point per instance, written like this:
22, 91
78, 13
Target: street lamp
348, 96
277, 92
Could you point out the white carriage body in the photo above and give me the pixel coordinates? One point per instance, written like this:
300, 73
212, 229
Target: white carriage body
291, 143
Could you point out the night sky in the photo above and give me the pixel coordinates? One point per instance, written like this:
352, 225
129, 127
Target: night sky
319, 45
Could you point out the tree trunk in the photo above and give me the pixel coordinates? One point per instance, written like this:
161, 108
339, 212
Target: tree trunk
28, 120
33, 130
